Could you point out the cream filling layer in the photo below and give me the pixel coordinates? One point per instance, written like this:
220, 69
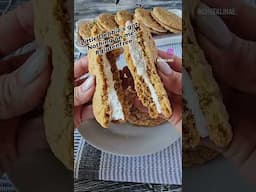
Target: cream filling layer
141, 66
192, 99
115, 105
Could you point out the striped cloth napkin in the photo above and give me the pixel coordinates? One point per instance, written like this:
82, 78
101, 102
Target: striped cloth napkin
164, 167
6, 185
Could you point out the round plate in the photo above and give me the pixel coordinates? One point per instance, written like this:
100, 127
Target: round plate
127, 139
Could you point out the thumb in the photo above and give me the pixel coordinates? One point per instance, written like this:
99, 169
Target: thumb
233, 59
24, 89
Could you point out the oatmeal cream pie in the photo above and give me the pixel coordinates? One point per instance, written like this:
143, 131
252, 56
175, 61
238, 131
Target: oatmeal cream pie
141, 57
204, 114
166, 19
122, 17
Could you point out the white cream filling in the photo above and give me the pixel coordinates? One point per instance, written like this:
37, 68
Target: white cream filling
141, 67
192, 99
115, 105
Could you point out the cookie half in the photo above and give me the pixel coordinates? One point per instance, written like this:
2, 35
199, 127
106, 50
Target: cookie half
204, 98
190, 134
136, 116
140, 118
107, 100
141, 57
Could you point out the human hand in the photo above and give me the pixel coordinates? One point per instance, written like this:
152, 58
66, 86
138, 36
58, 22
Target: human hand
23, 80
242, 149
170, 73
229, 45
83, 92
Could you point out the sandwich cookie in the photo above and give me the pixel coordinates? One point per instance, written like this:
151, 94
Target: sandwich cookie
106, 22
108, 100
168, 20
145, 17
203, 97
141, 57
190, 135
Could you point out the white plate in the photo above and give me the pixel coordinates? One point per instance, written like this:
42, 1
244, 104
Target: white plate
127, 139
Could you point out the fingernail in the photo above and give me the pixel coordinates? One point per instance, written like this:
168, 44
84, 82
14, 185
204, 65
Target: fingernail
170, 52
88, 83
213, 27
85, 76
164, 67
34, 66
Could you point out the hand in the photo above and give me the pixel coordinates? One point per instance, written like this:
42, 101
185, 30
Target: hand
170, 73
83, 92
23, 81
229, 44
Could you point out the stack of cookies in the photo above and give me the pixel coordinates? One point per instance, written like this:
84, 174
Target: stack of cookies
84, 29
144, 16
158, 21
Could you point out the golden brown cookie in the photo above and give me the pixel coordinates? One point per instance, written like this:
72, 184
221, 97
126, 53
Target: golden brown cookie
52, 29
166, 19
141, 56
145, 17
84, 29
106, 21
108, 99
122, 16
